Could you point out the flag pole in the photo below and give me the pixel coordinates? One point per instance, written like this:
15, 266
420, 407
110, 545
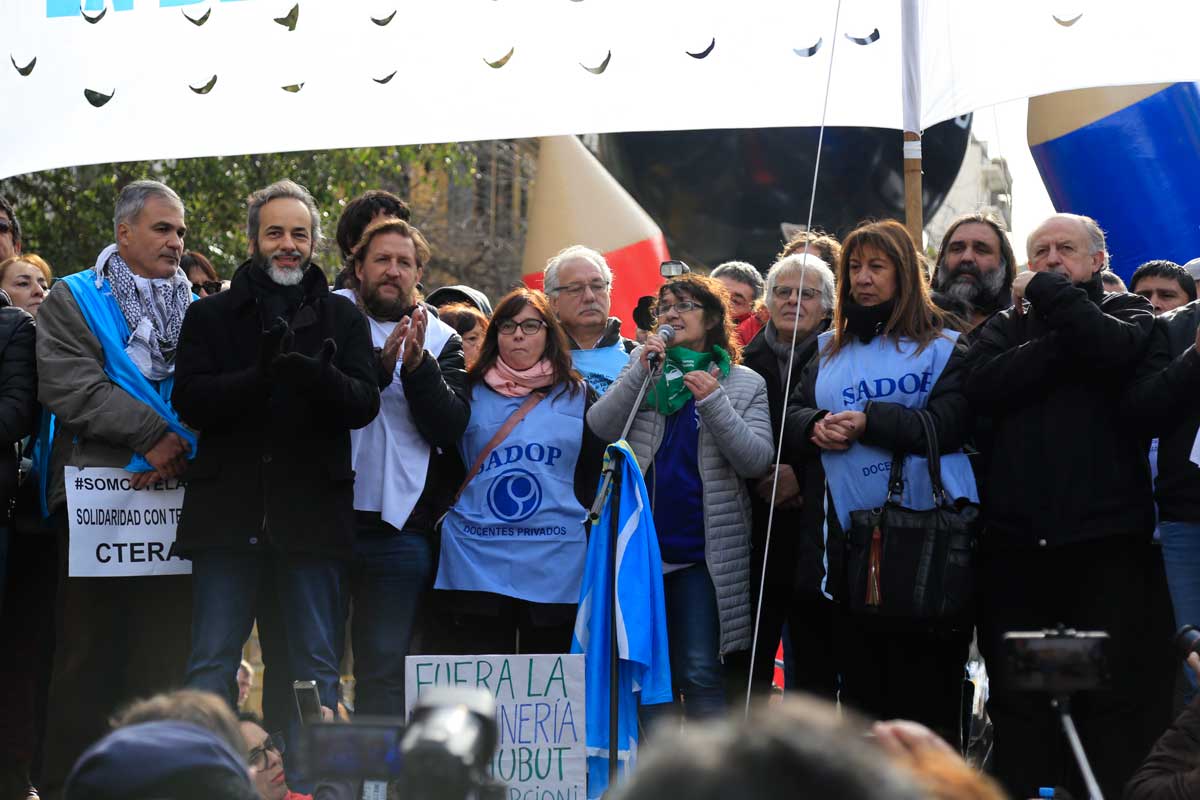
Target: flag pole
613, 656
910, 28
610, 487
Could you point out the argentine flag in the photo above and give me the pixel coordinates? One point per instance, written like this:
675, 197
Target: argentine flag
641, 618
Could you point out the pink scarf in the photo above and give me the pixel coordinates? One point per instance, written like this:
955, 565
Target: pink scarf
518, 382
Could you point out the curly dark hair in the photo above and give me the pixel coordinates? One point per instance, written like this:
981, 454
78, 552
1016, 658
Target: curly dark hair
7, 208
360, 211
712, 295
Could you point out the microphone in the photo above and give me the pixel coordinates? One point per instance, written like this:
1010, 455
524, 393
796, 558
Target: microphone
666, 333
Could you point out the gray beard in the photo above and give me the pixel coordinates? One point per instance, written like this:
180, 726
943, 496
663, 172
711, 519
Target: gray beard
980, 295
282, 276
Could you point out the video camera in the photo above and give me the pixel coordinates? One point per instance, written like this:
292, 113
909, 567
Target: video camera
442, 754
1059, 661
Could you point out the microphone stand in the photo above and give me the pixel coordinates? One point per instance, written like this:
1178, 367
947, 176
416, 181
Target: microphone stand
611, 485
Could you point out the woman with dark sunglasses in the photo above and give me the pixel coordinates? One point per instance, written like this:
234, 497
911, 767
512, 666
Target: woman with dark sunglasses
201, 273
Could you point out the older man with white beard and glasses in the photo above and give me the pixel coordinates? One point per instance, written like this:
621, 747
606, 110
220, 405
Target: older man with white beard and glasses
274, 372
975, 265
405, 462
106, 344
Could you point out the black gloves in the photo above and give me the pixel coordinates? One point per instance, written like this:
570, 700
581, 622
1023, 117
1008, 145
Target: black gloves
279, 365
301, 371
269, 345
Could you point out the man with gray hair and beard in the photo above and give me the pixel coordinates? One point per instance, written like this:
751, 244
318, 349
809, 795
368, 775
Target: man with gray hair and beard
106, 344
274, 372
975, 265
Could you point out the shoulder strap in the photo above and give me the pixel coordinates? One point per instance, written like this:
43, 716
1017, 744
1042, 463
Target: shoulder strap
933, 456
523, 411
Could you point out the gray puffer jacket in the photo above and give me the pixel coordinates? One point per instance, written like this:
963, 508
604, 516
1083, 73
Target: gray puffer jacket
734, 445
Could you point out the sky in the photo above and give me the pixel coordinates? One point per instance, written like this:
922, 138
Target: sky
1002, 127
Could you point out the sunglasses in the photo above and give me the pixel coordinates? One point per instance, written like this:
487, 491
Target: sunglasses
211, 287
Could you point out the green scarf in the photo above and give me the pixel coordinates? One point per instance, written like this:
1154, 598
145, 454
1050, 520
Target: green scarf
670, 394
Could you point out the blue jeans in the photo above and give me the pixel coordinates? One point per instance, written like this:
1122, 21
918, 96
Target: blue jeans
694, 639
312, 607
390, 573
1181, 556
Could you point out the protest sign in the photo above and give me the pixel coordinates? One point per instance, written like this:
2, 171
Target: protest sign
539, 712
117, 531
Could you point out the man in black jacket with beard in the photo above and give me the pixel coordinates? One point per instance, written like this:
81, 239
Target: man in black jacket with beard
405, 461
1068, 503
274, 373
975, 265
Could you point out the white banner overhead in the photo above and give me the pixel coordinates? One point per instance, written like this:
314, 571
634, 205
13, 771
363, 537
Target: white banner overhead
110, 80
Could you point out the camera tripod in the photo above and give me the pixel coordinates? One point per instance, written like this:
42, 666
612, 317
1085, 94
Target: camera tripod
1062, 704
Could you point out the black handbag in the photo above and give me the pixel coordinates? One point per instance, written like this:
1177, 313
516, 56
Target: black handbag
917, 565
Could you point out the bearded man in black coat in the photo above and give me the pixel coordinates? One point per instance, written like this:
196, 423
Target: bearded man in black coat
274, 373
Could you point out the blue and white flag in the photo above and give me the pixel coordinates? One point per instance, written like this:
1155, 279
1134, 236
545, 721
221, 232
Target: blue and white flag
641, 619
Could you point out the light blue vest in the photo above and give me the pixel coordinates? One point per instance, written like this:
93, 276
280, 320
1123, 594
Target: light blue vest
858, 477
601, 365
518, 529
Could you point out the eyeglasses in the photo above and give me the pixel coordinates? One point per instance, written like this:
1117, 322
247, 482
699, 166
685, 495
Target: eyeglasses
576, 289
211, 287
5, 226
529, 327
272, 744
682, 307
784, 292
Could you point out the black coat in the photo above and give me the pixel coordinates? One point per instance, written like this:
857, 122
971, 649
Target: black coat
272, 465
18, 397
890, 426
797, 548
1064, 463
1172, 770
1165, 404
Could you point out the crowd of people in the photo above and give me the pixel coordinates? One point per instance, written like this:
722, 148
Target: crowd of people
411, 473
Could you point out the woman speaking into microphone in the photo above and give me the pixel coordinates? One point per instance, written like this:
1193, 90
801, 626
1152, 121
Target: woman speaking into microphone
701, 432
513, 544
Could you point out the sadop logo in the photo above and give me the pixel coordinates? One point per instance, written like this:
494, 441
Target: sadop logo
515, 496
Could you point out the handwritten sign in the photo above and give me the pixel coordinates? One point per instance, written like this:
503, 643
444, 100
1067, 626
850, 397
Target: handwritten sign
117, 531
539, 711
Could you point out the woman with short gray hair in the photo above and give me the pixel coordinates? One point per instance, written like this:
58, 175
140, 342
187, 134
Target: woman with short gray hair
800, 302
